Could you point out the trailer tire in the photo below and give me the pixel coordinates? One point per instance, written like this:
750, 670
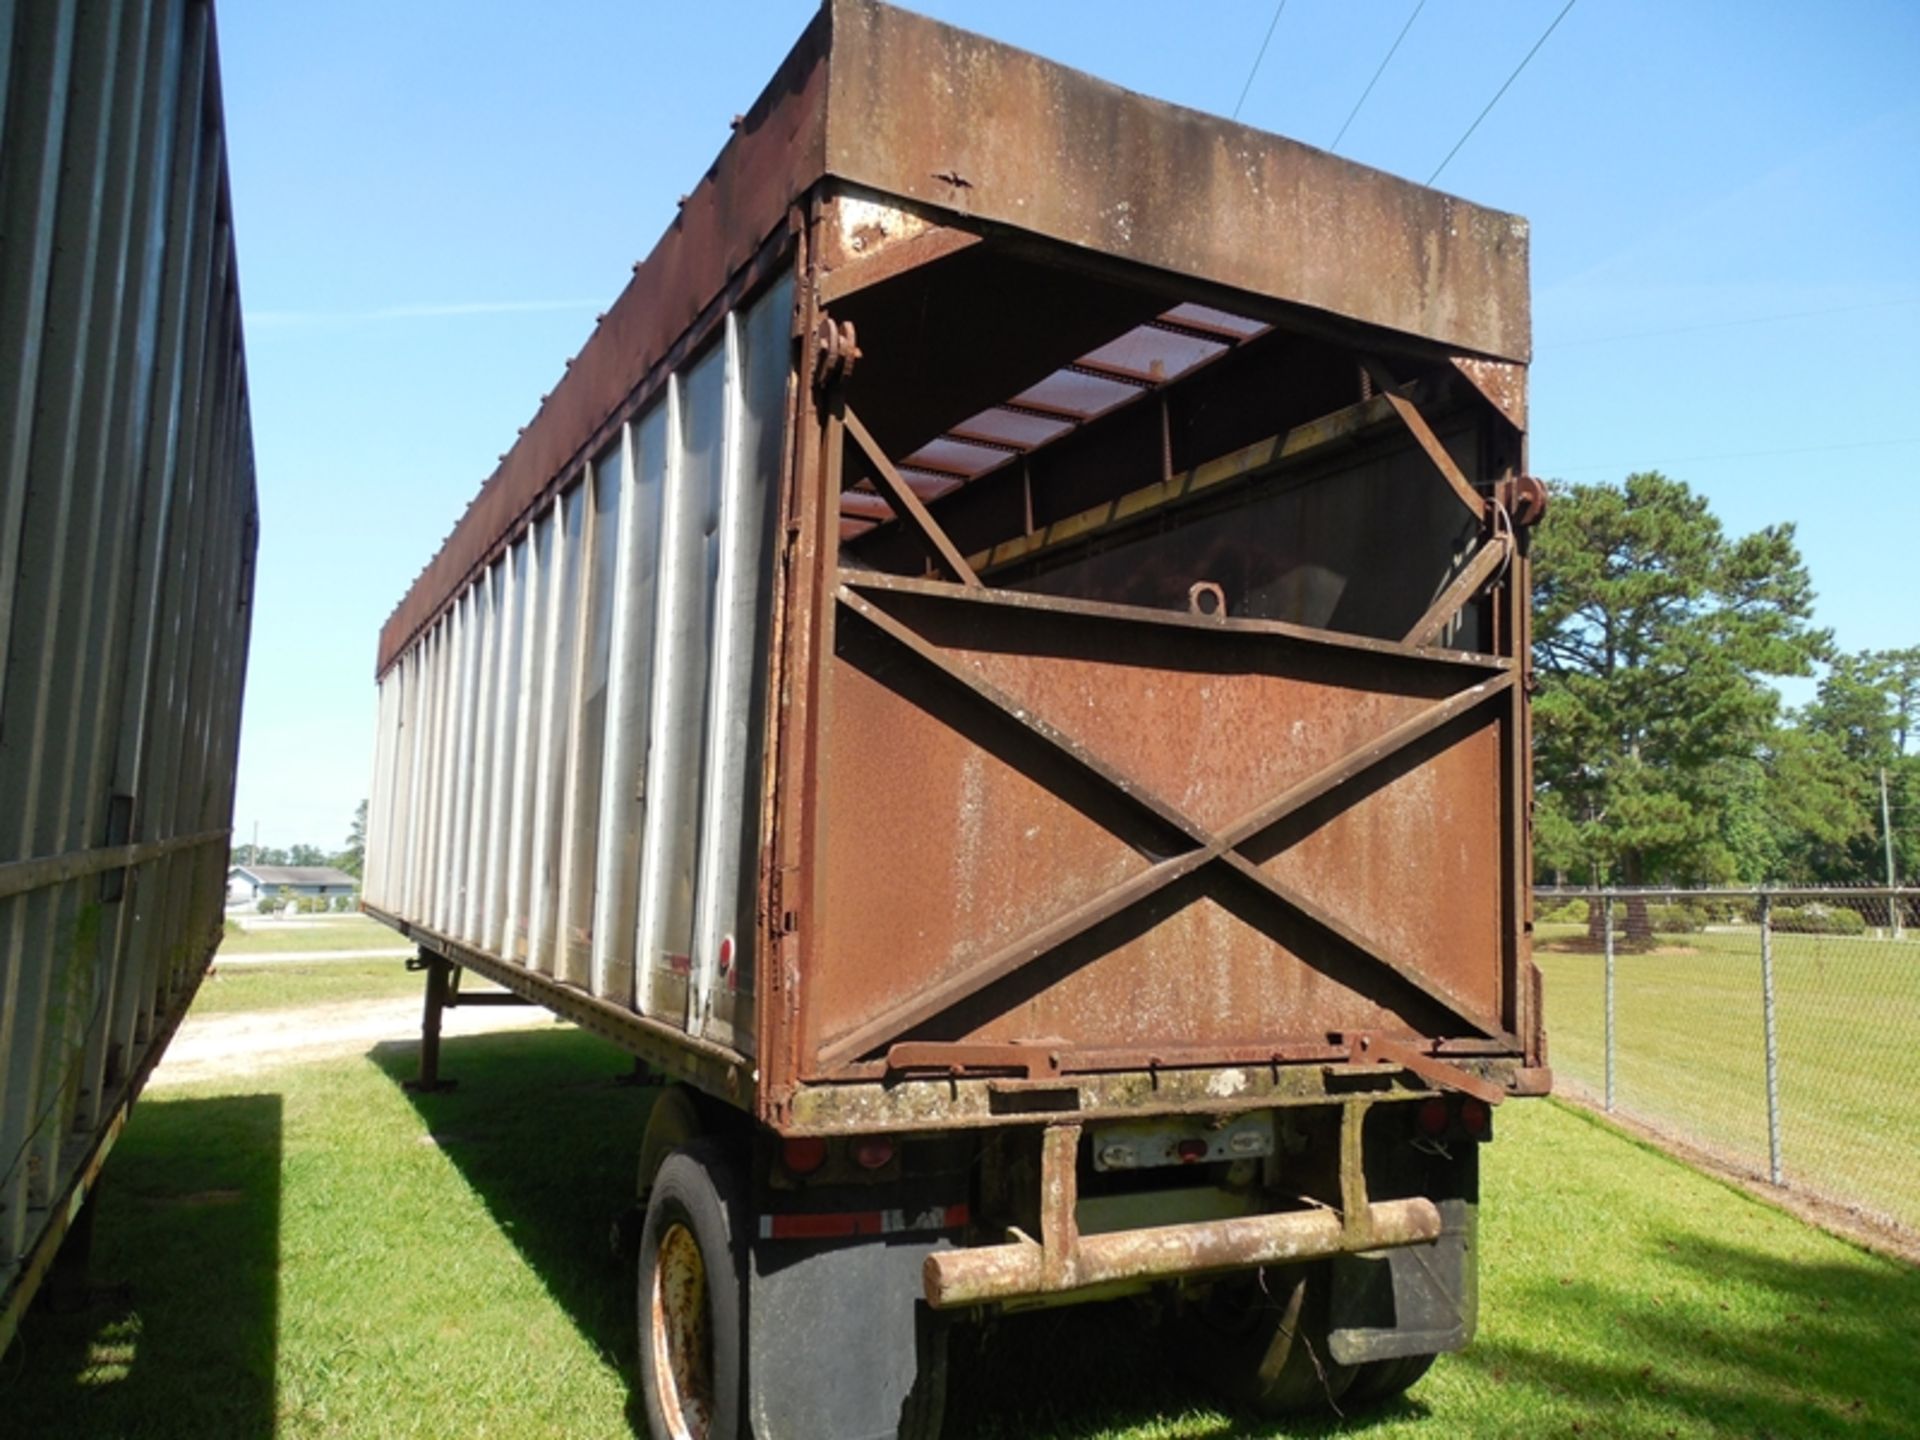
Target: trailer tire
1261, 1341
692, 1283
1377, 1381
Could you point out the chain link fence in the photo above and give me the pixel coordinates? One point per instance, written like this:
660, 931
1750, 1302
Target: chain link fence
1773, 1030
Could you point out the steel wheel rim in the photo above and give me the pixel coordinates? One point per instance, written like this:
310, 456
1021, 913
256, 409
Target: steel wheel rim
682, 1334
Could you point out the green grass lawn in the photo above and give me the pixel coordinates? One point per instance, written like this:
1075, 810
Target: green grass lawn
1690, 1051
319, 1254
292, 983
331, 932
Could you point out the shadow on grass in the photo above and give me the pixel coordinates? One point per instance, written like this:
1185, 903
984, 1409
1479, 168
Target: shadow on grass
540, 1129
178, 1337
1746, 1342
1097, 1370
1737, 1342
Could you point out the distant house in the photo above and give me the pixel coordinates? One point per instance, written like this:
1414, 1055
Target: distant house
248, 883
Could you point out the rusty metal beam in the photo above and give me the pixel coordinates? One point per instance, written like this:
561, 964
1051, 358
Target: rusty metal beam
1097, 1085
908, 506
1059, 1204
1357, 646
1356, 1212
1355, 763
1410, 415
990, 1273
17, 877
712, 1067
895, 259
1487, 562
1437, 1073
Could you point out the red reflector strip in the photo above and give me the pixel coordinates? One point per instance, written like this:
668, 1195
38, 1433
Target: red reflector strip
843, 1224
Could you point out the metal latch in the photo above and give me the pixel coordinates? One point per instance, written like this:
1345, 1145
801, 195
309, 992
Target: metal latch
1377, 1049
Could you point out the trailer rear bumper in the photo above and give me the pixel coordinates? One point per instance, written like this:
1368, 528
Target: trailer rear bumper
1024, 1269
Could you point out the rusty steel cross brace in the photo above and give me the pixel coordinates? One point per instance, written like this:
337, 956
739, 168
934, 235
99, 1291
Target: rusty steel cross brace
1416, 423
1493, 556
1209, 848
907, 506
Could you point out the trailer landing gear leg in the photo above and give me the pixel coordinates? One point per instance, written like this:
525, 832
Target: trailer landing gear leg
439, 994
67, 1290
641, 1075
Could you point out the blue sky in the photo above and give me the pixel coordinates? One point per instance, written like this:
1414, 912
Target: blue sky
432, 202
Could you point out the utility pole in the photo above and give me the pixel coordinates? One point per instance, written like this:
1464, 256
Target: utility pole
1886, 832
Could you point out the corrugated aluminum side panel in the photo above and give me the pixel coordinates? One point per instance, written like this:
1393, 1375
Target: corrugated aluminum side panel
630, 688
537, 550
592, 746
561, 626
757, 367
660, 969
480, 767
127, 532
506, 733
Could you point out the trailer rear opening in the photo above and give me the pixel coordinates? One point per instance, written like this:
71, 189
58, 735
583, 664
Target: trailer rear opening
1000, 674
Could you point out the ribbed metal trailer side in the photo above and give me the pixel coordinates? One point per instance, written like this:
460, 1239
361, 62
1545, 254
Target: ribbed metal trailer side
128, 527
566, 767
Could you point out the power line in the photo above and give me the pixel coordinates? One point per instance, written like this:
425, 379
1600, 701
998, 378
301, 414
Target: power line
1745, 454
1377, 74
1501, 91
1272, 25
1728, 324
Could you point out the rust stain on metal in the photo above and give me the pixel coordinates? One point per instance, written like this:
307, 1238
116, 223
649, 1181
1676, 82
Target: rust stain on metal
1502, 382
1164, 186
953, 1279
1386, 1050
1525, 497
1059, 1200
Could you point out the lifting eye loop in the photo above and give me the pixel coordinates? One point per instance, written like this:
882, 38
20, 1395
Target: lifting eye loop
1207, 599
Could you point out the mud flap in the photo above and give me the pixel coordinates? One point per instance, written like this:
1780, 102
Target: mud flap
836, 1331
1417, 1300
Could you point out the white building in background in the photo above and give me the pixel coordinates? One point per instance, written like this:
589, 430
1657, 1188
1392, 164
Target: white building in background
247, 884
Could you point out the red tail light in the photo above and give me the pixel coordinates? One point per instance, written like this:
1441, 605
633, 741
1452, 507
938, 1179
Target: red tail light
872, 1152
1433, 1117
804, 1154
1475, 1118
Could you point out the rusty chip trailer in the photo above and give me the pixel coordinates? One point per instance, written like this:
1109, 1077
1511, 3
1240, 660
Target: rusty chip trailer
127, 536
999, 672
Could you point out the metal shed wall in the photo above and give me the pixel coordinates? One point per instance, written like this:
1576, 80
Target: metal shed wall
128, 527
